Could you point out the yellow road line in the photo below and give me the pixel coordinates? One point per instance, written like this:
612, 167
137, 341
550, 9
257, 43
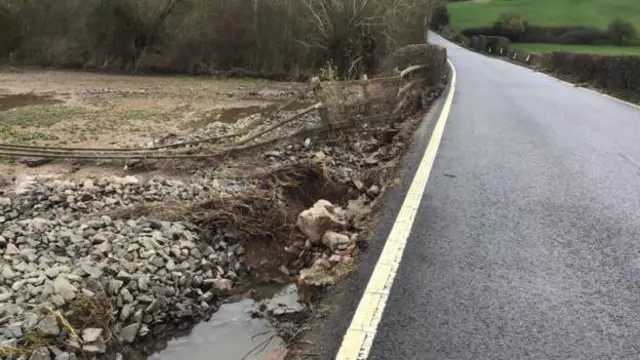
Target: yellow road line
359, 337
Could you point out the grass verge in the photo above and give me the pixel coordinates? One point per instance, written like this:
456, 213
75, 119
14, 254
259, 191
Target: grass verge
544, 12
580, 49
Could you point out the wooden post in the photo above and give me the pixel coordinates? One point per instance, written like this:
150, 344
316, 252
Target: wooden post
320, 97
367, 96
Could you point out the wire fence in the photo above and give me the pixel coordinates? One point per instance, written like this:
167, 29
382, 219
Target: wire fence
339, 105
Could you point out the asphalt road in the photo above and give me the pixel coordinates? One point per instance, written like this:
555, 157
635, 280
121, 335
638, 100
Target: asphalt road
527, 241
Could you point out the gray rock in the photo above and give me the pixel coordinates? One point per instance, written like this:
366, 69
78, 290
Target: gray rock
56, 351
170, 265
37, 281
195, 253
17, 285
11, 250
30, 321
144, 298
133, 248
88, 185
129, 266
137, 316
5, 202
144, 330
21, 266
232, 275
93, 271
91, 334
29, 254
64, 289
123, 275
8, 274
126, 296
52, 272
58, 301
99, 239
222, 284
143, 283
39, 224
40, 354
185, 244
114, 286
103, 248
48, 326
158, 262
97, 347
240, 251
147, 254
126, 311
73, 277
128, 333
283, 269
65, 356
4, 297
95, 224
106, 220
13, 331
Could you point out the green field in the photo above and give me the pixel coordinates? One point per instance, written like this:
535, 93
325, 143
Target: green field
544, 12
584, 49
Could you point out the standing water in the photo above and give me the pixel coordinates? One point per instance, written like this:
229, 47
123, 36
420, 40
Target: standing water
232, 333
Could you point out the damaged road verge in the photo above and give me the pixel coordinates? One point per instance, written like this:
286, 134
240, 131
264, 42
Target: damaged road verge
110, 266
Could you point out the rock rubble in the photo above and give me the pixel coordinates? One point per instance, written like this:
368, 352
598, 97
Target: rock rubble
59, 252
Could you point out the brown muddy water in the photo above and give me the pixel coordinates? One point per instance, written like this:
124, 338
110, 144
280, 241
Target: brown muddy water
231, 115
8, 102
233, 333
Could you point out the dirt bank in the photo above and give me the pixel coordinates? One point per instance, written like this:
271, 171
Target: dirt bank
111, 258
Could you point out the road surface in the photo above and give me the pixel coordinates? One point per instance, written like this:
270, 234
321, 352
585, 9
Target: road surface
526, 244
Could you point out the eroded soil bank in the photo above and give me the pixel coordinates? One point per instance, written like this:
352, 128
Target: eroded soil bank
119, 259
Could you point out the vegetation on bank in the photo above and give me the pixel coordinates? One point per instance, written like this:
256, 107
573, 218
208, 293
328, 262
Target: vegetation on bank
593, 42
580, 49
266, 38
604, 26
597, 13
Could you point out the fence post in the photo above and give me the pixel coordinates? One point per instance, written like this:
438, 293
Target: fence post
367, 95
320, 97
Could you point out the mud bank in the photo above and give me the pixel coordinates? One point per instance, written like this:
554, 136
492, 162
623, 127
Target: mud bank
116, 266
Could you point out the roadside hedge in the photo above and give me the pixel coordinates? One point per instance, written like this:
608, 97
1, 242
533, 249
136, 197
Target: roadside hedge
491, 44
545, 34
619, 75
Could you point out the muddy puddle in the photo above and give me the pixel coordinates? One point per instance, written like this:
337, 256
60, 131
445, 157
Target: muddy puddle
8, 102
233, 332
231, 115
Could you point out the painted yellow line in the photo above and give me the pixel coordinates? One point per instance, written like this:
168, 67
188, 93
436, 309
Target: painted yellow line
359, 337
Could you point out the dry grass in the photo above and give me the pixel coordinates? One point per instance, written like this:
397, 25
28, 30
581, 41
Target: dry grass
90, 312
10, 351
84, 312
264, 210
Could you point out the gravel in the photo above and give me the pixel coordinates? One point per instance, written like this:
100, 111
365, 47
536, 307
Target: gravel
59, 248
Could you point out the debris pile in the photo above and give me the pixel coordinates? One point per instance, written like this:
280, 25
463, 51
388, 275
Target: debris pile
60, 258
332, 229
